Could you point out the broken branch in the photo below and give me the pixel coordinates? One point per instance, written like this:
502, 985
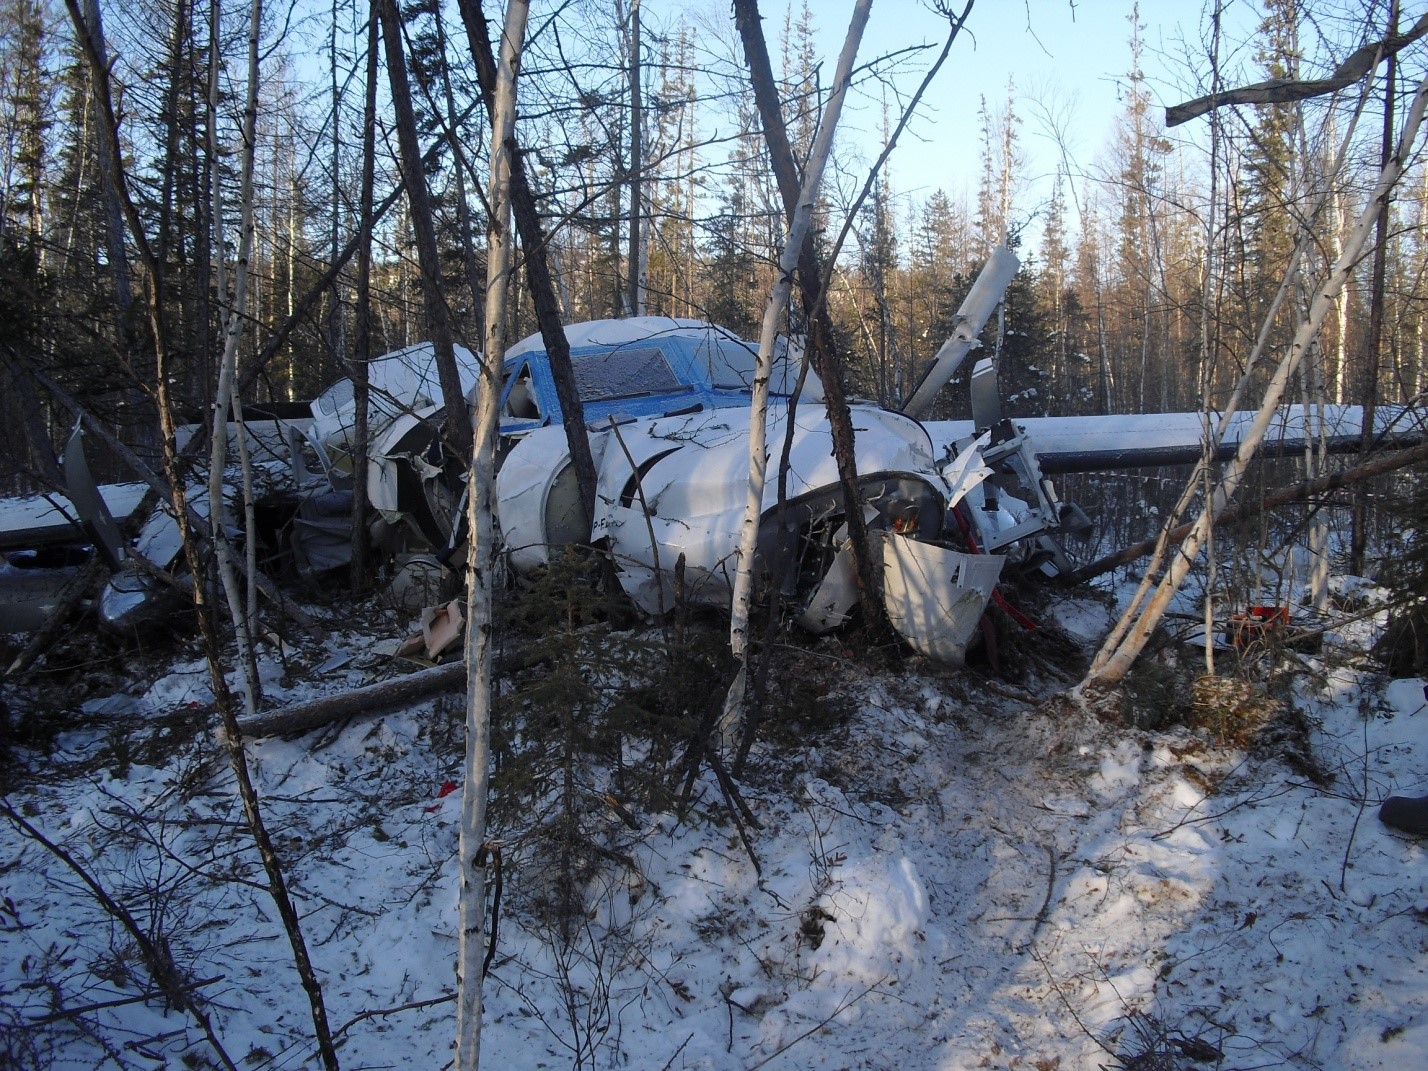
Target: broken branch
1286, 91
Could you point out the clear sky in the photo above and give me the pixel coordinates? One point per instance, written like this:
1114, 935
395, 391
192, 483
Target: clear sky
1066, 59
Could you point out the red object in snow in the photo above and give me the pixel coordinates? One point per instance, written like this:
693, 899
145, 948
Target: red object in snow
447, 788
1257, 624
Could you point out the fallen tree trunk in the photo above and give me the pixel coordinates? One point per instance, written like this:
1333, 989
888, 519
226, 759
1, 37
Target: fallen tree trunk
378, 698
1297, 493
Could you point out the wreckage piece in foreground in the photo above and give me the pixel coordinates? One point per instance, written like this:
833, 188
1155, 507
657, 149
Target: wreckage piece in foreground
44, 548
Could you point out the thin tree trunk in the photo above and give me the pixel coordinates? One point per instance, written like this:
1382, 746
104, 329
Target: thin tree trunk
116, 253
226, 402
463, 207
798, 229
539, 277
482, 549
1358, 537
820, 326
438, 315
635, 299
332, 326
362, 344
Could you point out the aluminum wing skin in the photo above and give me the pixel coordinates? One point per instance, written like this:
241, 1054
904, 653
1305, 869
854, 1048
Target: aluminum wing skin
1144, 440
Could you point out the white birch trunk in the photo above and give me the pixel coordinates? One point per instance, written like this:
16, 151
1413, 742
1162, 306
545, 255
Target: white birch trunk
1216, 435
1112, 665
481, 552
238, 604
773, 312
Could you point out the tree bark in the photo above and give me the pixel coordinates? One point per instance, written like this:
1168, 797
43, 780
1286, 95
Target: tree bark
482, 549
539, 278
821, 350
1358, 536
368, 700
635, 289
799, 225
225, 402
1284, 91
358, 578
438, 316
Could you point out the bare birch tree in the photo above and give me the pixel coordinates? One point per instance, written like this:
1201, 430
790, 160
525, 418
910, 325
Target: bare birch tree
820, 324
1120, 651
773, 316
481, 550
539, 273
226, 403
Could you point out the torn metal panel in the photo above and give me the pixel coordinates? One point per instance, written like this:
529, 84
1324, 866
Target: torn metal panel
133, 599
402, 382
98, 521
265, 433
441, 627
321, 534
935, 597
34, 582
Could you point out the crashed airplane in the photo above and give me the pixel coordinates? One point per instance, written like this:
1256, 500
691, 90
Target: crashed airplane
667, 405
951, 505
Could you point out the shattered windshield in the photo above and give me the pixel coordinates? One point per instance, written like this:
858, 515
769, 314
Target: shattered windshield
624, 373
338, 396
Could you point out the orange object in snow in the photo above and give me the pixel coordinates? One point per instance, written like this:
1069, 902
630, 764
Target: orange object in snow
1256, 625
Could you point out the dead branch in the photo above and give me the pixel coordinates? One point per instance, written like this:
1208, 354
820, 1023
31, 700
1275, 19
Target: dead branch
843, 1006
1045, 912
373, 1013
1297, 493
375, 698
70, 598
157, 958
1286, 91
102, 1005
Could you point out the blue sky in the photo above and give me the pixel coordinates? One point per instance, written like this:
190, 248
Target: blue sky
1067, 59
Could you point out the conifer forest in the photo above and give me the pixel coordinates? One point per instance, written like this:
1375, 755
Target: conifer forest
958, 747
1147, 265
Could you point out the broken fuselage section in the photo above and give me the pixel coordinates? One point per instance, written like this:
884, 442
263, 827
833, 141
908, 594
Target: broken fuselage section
666, 405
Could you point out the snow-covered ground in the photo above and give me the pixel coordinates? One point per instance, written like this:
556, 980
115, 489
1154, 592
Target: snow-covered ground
955, 875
